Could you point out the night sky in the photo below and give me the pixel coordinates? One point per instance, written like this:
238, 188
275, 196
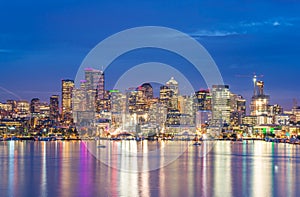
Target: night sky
42, 42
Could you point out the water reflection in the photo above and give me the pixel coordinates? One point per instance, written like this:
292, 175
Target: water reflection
68, 169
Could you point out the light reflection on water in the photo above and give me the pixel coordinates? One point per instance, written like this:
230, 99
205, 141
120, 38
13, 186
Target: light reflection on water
68, 169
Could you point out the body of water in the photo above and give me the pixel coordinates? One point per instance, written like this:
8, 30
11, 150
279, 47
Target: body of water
69, 169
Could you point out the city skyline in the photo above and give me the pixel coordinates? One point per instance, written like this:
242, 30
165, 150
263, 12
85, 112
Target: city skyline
46, 45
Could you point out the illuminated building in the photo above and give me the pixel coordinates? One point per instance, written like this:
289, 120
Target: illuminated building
95, 81
5, 110
172, 84
165, 95
203, 118
157, 114
104, 105
35, 111
54, 108
264, 119
23, 109
147, 90
35, 106
66, 101
296, 115
249, 120
237, 109
187, 109
221, 103
203, 100
13, 104
173, 118
274, 110
282, 119
118, 107
6, 107
44, 110
260, 101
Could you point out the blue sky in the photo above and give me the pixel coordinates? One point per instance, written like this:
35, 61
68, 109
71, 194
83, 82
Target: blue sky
42, 42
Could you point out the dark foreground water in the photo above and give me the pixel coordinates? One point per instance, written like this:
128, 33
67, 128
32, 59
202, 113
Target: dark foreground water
68, 169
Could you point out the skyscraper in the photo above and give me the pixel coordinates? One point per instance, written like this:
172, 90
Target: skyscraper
260, 101
221, 103
54, 108
66, 101
203, 100
35, 106
147, 90
95, 81
237, 108
173, 85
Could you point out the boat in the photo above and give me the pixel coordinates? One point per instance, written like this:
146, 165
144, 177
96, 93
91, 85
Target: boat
101, 146
197, 144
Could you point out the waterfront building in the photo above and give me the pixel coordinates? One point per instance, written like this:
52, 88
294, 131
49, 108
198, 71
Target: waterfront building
23, 109
13, 104
94, 86
237, 109
249, 120
275, 110
187, 110
264, 119
118, 107
203, 100
165, 95
172, 84
158, 115
260, 101
54, 108
35, 106
35, 112
147, 90
203, 119
282, 119
221, 103
66, 102
296, 114
104, 105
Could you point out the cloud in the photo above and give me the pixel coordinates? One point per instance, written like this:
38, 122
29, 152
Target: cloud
275, 22
5, 51
217, 33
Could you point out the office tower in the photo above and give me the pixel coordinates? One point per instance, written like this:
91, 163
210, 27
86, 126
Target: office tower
203, 100
54, 108
23, 109
221, 104
35, 106
187, 110
173, 85
104, 105
157, 115
237, 109
66, 100
44, 110
165, 95
13, 104
147, 90
296, 115
118, 107
95, 81
274, 110
260, 101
